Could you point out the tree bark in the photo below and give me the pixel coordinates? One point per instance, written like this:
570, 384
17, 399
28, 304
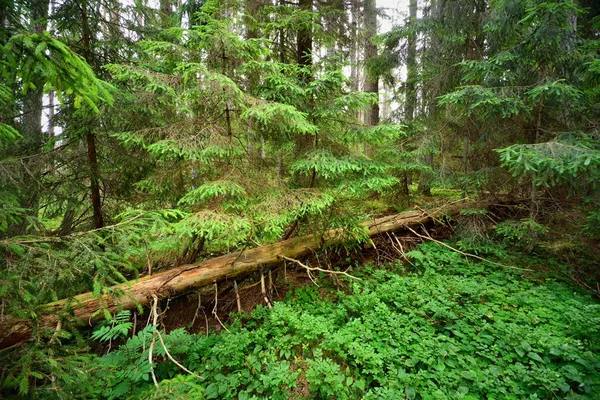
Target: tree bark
304, 50
84, 307
3, 22
304, 40
31, 127
90, 137
166, 12
371, 81
411, 77
354, 10
430, 93
465, 161
411, 64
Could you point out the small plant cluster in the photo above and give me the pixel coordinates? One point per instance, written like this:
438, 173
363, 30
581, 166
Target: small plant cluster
448, 328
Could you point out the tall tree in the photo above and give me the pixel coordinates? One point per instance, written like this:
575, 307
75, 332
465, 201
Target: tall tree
354, 44
31, 124
371, 77
411, 64
90, 137
304, 49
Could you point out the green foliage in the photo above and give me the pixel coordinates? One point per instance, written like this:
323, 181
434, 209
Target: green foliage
458, 329
520, 231
474, 98
592, 226
116, 328
212, 190
211, 137
555, 162
473, 211
39, 59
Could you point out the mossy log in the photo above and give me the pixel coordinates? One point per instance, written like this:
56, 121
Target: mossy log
85, 307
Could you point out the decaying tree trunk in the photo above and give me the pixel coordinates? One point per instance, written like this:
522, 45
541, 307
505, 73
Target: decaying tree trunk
85, 307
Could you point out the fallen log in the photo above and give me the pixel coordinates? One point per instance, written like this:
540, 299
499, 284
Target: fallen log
85, 307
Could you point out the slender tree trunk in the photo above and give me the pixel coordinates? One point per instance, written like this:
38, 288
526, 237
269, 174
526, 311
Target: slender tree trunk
304, 51
411, 65
51, 125
354, 10
533, 209
94, 181
474, 49
90, 137
3, 22
31, 126
429, 95
256, 144
304, 41
411, 78
281, 38
166, 12
425, 178
371, 81
465, 160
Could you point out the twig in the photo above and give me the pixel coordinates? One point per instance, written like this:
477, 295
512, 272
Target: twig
214, 311
154, 322
399, 250
237, 296
162, 342
251, 285
197, 308
205, 319
463, 253
149, 264
49, 239
319, 269
270, 291
134, 324
263, 289
432, 215
171, 357
55, 334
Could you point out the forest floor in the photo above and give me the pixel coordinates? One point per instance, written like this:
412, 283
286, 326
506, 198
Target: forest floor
421, 322
439, 327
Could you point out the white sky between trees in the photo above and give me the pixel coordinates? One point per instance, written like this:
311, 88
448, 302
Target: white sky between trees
393, 13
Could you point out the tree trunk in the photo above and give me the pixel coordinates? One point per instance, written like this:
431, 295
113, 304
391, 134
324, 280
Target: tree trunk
354, 10
425, 178
304, 50
304, 42
429, 95
84, 307
166, 12
411, 65
533, 207
371, 81
3, 22
31, 127
465, 161
90, 137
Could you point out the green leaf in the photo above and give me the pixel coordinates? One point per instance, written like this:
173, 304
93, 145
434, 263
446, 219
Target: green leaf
535, 356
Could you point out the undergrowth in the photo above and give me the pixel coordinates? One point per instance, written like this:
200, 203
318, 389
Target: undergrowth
442, 328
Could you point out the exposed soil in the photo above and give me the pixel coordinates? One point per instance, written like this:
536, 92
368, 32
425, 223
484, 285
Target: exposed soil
197, 311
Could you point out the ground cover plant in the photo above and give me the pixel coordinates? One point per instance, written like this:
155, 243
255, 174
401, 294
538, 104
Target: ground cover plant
441, 327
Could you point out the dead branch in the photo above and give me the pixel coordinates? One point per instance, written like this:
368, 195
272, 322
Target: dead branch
310, 269
463, 253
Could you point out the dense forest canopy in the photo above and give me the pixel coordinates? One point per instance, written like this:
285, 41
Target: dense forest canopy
137, 136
